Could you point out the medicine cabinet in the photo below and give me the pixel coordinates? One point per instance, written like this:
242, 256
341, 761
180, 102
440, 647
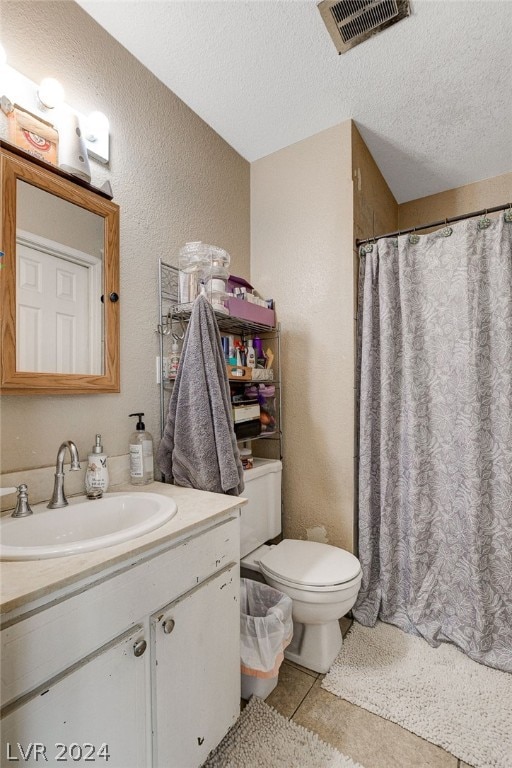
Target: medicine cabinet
59, 281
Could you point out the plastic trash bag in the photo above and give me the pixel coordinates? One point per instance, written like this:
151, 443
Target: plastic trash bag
266, 628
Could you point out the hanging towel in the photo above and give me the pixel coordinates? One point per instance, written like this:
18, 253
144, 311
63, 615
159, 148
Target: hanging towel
199, 449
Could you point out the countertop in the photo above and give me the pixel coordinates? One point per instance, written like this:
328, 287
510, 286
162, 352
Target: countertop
25, 581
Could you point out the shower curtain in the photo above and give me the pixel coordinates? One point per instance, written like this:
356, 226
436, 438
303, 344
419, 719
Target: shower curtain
435, 436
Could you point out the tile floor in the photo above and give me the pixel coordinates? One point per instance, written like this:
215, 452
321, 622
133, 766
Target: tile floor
363, 736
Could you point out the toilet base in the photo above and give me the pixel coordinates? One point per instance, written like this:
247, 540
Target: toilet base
315, 646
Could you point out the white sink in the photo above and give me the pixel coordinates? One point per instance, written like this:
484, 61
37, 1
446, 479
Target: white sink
83, 526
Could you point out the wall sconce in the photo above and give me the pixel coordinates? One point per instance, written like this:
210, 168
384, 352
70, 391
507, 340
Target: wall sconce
39, 99
50, 93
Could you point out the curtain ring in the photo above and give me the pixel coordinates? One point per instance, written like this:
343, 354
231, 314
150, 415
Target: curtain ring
484, 222
447, 231
414, 238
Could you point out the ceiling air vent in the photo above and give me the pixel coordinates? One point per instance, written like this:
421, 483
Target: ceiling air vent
350, 22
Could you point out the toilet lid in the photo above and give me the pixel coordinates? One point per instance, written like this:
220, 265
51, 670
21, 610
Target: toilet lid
310, 563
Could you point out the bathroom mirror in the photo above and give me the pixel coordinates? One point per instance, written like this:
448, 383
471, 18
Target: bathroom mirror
59, 283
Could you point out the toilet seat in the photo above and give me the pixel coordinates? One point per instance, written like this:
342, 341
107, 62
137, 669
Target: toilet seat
311, 566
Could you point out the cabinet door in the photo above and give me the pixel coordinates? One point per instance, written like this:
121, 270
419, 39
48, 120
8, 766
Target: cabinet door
100, 701
196, 690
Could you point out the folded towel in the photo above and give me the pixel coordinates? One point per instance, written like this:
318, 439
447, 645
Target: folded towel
199, 449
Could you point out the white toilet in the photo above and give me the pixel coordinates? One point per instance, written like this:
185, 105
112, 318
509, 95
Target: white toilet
322, 580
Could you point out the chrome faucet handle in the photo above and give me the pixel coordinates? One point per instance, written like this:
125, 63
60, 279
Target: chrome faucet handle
22, 506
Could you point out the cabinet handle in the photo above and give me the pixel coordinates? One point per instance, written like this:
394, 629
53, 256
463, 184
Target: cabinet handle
139, 647
168, 626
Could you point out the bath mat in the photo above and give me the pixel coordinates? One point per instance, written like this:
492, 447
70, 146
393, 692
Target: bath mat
437, 693
262, 738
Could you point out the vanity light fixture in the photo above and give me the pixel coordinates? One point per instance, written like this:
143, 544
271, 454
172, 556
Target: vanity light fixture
96, 134
39, 99
50, 93
97, 125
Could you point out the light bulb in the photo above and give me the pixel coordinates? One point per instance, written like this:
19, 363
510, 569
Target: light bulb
3, 56
51, 92
97, 125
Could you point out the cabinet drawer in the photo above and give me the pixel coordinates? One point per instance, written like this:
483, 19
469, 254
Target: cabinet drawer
47, 642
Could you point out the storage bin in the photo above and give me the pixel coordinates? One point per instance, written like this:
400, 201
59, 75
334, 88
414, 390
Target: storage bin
246, 412
247, 311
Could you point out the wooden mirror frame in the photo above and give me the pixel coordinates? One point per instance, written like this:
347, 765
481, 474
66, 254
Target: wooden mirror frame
12, 169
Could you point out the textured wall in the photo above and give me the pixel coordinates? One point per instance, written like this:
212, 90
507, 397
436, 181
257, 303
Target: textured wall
453, 202
375, 208
375, 212
301, 254
175, 180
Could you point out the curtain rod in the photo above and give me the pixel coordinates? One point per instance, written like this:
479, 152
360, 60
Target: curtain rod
484, 212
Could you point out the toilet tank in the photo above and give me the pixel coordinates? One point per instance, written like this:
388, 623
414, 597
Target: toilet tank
260, 518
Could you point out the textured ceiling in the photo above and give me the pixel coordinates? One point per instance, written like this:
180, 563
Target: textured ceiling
431, 95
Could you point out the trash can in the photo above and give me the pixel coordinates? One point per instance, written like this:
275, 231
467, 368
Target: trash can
266, 629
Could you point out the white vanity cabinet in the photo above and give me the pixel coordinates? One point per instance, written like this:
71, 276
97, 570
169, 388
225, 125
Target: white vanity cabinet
96, 711
144, 659
192, 703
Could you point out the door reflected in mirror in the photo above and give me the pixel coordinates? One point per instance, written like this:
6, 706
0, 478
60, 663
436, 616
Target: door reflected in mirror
59, 278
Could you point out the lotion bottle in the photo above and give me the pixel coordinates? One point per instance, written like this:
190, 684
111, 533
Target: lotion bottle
251, 355
141, 454
96, 475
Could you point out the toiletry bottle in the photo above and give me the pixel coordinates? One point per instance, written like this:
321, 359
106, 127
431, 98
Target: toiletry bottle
96, 475
238, 354
174, 359
251, 355
232, 351
141, 454
225, 347
258, 351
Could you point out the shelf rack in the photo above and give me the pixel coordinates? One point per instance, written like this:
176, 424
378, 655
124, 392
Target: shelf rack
171, 313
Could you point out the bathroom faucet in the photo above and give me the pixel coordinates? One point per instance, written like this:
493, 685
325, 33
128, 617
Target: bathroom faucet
59, 497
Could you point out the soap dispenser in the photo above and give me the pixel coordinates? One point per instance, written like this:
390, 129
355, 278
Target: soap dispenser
96, 475
141, 454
